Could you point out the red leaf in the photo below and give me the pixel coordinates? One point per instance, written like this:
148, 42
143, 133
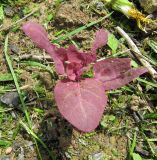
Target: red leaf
100, 40
74, 70
81, 103
124, 78
40, 37
77, 62
116, 72
111, 68
59, 55
74, 55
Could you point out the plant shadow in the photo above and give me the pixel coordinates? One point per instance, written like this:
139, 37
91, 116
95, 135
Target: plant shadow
56, 133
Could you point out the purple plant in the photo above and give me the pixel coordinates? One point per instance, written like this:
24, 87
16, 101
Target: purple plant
82, 100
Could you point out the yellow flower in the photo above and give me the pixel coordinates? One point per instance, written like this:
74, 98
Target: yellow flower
129, 10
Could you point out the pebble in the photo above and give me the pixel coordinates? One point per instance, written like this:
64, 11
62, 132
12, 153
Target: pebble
14, 48
9, 11
14, 115
8, 150
98, 156
10, 98
30, 145
99, 5
134, 108
113, 140
21, 155
15, 146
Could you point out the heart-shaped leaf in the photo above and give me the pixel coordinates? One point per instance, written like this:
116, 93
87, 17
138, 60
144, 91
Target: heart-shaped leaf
81, 103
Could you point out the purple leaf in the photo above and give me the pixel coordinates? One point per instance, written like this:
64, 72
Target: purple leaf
100, 40
79, 57
77, 62
40, 37
124, 78
111, 68
74, 71
81, 103
74, 55
116, 72
60, 55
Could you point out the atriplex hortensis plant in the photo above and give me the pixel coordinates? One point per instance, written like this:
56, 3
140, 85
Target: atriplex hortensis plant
82, 100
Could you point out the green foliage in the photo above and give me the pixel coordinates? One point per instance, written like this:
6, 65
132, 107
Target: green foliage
133, 145
136, 156
1, 13
39, 65
4, 143
76, 31
5, 77
153, 45
132, 154
151, 116
106, 120
113, 43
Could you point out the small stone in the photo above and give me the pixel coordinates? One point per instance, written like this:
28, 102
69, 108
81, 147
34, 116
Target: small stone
97, 156
13, 114
134, 108
16, 146
14, 48
10, 98
112, 140
21, 155
8, 150
9, 11
30, 145
99, 5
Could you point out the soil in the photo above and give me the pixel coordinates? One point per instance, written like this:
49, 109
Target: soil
63, 140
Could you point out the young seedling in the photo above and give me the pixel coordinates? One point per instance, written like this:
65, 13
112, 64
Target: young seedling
82, 101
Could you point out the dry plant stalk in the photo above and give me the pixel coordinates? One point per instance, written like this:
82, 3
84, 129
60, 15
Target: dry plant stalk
137, 52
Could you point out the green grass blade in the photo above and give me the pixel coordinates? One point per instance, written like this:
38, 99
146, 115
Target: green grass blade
15, 80
4, 143
76, 31
5, 110
6, 77
18, 90
133, 144
151, 116
153, 45
136, 156
147, 82
39, 65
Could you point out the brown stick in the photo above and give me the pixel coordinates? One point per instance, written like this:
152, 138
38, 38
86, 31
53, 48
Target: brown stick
137, 52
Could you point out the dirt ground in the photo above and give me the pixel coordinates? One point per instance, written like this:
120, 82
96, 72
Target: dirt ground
116, 132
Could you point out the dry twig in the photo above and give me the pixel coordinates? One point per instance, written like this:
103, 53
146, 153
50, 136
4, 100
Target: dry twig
35, 57
137, 52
